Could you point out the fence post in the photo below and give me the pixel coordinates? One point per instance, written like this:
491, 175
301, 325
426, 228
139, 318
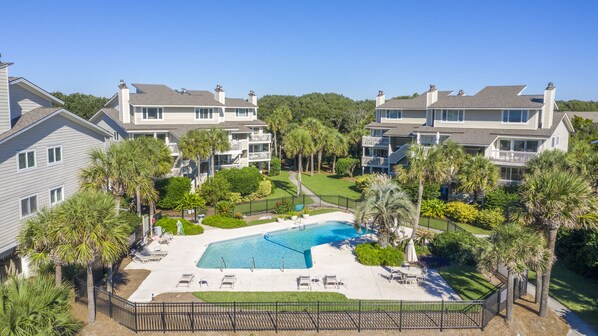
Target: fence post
235, 316
267, 207
303, 200
276, 323
110, 304
135, 316
484, 314
359, 318
347, 200
442, 316
318, 318
250, 201
164, 317
447, 224
401, 315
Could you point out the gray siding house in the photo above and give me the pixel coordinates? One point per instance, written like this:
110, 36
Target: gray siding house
42, 149
499, 122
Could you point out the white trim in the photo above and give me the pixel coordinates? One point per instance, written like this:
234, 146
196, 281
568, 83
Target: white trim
61, 195
450, 121
32, 87
21, 208
48, 156
211, 106
159, 111
19, 170
502, 117
198, 109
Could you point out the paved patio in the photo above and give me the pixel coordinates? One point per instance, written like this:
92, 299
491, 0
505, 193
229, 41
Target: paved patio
362, 282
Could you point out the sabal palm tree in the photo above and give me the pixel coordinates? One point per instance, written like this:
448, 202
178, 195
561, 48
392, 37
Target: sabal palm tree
92, 232
39, 240
514, 247
386, 207
317, 131
35, 306
297, 144
455, 155
552, 199
551, 159
426, 165
217, 140
336, 145
194, 145
477, 175
278, 122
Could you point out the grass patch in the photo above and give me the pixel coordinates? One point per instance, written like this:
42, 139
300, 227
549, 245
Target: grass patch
223, 222
322, 211
168, 224
282, 185
266, 205
440, 224
574, 291
273, 219
473, 229
270, 296
328, 184
467, 282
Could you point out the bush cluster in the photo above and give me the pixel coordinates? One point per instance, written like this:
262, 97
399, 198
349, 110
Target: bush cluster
223, 222
502, 198
215, 189
245, 181
489, 218
372, 254
431, 191
225, 208
433, 208
283, 206
168, 224
364, 181
264, 188
457, 246
461, 212
345, 166
171, 190
274, 167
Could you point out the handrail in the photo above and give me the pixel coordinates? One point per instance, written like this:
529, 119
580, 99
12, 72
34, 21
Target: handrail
253, 262
283, 264
223, 264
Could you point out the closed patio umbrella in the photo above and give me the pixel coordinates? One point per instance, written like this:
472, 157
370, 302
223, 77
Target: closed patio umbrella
410, 254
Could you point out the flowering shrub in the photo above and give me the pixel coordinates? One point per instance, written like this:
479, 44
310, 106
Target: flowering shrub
283, 206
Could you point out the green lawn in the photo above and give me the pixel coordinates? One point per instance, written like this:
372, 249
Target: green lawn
283, 187
312, 213
467, 282
269, 296
326, 184
576, 292
440, 224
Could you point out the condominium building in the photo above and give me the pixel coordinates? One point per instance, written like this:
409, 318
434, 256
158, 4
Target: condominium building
499, 122
158, 111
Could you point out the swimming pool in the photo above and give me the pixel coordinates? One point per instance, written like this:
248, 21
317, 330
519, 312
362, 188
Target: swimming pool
268, 250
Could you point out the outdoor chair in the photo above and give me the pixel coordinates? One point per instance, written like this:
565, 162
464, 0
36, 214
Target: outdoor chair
395, 275
330, 280
423, 275
143, 259
228, 280
303, 281
186, 279
166, 238
410, 279
147, 252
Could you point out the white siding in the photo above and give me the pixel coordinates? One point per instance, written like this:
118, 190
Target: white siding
4, 104
111, 127
23, 101
76, 142
486, 119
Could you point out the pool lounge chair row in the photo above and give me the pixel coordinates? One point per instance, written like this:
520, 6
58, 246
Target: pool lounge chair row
305, 281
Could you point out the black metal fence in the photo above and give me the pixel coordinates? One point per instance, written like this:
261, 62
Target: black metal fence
269, 205
439, 224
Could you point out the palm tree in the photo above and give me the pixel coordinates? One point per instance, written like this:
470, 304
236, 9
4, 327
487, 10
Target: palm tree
278, 122
455, 155
514, 247
477, 174
336, 145
552, 199
551, 159
298, 143
92, 232
35, 306
317, 131
386, 206
39, 239
426, 165
217, 141
194, 145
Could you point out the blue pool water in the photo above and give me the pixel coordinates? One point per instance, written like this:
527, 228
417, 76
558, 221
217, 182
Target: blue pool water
268, 250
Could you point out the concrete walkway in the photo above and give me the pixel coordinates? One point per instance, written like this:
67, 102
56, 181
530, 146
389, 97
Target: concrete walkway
309, 193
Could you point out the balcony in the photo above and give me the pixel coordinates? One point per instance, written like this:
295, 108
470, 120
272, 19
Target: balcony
372, 141
174, 148
518, 158
259, 156
260, 137
227, 166
374, 161
236, 145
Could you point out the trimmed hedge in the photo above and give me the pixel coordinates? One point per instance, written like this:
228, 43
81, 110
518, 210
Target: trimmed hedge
345, 166
371, 254
245, 181
275, 165
168, 224
457, 246
171, 190
461, 212
223, 222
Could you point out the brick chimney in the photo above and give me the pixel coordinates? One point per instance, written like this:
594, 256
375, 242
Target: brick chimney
5, 118
124, 108
252, 98
380, 98
548, 108
431, 95
219, 94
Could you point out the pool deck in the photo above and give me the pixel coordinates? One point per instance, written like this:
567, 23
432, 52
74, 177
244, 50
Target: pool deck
362, 282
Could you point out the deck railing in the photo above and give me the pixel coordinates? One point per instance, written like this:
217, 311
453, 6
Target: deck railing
511, 156
370, 141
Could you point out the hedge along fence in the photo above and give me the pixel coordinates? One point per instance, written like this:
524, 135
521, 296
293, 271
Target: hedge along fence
267, 205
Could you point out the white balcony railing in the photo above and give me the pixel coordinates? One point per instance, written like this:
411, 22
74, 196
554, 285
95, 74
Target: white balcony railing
374, 161
511, 156
260, 137
227, 165
259, 156
174, 148
370, 141
236, 145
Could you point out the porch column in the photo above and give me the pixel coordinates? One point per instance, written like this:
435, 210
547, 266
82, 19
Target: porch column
25, 267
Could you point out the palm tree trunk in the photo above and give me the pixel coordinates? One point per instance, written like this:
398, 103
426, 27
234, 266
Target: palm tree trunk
198, 172
319, 160
109, 279
311, 160
420, 193
547, 272
117, 199
300, 172
334, 164
138, 200
58, 273
538, 287
212, 163
510, 285
275, 146
151, 216
91, 302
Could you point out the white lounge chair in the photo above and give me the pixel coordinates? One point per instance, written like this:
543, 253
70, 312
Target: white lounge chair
186, 279
143, 259
166, 238
410, 279
228, 280
331, 280
147, 252
395, 275
303, 281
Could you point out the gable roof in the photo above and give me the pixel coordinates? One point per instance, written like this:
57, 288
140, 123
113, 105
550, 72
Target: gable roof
159, 94
493, 97
24, 83
39, 115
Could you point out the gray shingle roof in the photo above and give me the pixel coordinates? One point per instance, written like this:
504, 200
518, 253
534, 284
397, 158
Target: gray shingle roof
498, 97
158, 94
238, 102
592, 115
415, 103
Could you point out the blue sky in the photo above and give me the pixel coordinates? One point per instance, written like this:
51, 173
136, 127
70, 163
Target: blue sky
296, 47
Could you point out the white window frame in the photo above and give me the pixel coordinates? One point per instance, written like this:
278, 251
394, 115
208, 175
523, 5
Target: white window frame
54, 149
198, 110
159, 112
444, 115
61, 188
524, 116
512, 145
19, 169
247, 111
21, 206
116, 136
555, 141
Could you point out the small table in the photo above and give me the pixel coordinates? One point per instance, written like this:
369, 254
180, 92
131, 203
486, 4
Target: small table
203, 281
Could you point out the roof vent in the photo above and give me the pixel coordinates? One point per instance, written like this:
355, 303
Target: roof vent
184, 91
550, 86
380, 93
432, 87
461, 93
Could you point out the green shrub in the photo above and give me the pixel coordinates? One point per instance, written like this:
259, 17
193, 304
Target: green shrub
457, 246
461, 212
345, 166
501, 198
223, 222
433, 208
431, 191
275, 165
238, 215
171, 190
489, 218
372, 254
215, 189
225, 208
168, 224
363, 182
283, 206
235, 198
244, 181
578, 249
264, 189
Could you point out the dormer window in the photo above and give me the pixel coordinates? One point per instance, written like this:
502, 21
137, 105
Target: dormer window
243, 112
515, 116
152, 113
204, 113
453, 116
